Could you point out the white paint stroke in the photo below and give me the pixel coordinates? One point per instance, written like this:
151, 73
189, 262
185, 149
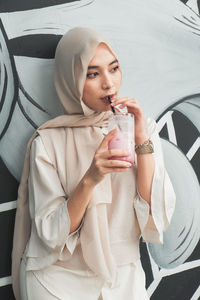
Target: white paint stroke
164, 120
196, 295
171, 131
153, 286
193, 149
154, 266
8, 206
167, 119
167, 272
181, 268
5, 281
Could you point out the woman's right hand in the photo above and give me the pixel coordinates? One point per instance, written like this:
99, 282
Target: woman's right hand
102, 163
100, 166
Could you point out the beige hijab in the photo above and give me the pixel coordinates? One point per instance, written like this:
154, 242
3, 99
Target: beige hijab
74, 51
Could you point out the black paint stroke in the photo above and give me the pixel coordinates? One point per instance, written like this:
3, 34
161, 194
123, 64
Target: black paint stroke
193, 18
186, 24
35, 45
182, 125
195, 254
196, 33
184, 99
21, 5
146, 263
2, 100
198, 3
7, 220
189, 20
195, 163
181, 232
184, 239
16, 85
184, 1
15, 80
9, 184
194, 104
6, 292
183, 252
179, 286
164, 132
8, 120
29, 98
25, 114
186, 131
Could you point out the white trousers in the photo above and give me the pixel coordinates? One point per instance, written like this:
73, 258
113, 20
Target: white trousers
85, 288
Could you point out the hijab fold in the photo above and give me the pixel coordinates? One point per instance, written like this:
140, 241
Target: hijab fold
73, 54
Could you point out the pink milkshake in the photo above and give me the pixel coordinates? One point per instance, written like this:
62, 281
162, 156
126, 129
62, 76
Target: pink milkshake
124, 138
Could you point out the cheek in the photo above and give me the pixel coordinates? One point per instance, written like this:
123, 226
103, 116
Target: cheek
86, 88
118, 79
89, 90
93, 87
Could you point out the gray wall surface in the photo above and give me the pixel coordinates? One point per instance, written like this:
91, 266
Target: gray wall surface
158, 43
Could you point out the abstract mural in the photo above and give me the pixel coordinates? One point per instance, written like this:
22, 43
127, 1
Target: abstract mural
158, 44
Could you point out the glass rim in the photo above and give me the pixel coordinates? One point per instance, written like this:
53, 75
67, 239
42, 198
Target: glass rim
120, 114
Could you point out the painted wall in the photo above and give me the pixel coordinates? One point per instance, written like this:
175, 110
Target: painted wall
158, 44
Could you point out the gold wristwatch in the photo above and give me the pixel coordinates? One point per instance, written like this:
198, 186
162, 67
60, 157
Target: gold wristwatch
146, 147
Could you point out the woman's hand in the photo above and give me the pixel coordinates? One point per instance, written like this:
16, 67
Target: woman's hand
102, 163
134, 108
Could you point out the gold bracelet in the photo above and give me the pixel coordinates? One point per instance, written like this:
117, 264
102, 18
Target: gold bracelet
146, 147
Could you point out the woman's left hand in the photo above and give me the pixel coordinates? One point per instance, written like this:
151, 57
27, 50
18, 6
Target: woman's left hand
134, 108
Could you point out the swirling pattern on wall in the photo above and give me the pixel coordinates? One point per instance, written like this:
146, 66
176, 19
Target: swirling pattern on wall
164, 35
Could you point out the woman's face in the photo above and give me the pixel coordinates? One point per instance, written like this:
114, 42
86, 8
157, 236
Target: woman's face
103, 79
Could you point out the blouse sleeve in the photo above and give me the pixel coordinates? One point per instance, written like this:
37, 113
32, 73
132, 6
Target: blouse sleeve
162, 196
48, 202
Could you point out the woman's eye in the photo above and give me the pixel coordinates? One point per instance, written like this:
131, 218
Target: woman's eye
92, 75
115, 69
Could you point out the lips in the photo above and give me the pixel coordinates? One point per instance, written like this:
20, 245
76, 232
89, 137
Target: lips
105, 99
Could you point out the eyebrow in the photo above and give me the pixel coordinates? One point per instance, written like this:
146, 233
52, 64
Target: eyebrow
97, 67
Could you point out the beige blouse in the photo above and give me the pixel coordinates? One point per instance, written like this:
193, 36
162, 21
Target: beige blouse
128, 214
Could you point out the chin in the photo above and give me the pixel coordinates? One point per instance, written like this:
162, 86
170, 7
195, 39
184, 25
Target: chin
107, 108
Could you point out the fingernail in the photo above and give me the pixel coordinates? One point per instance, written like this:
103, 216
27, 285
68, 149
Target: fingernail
128, 164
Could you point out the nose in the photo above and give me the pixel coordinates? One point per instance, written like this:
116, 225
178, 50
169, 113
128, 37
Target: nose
107, 82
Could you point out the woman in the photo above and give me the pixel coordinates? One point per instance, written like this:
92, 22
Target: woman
88, 211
